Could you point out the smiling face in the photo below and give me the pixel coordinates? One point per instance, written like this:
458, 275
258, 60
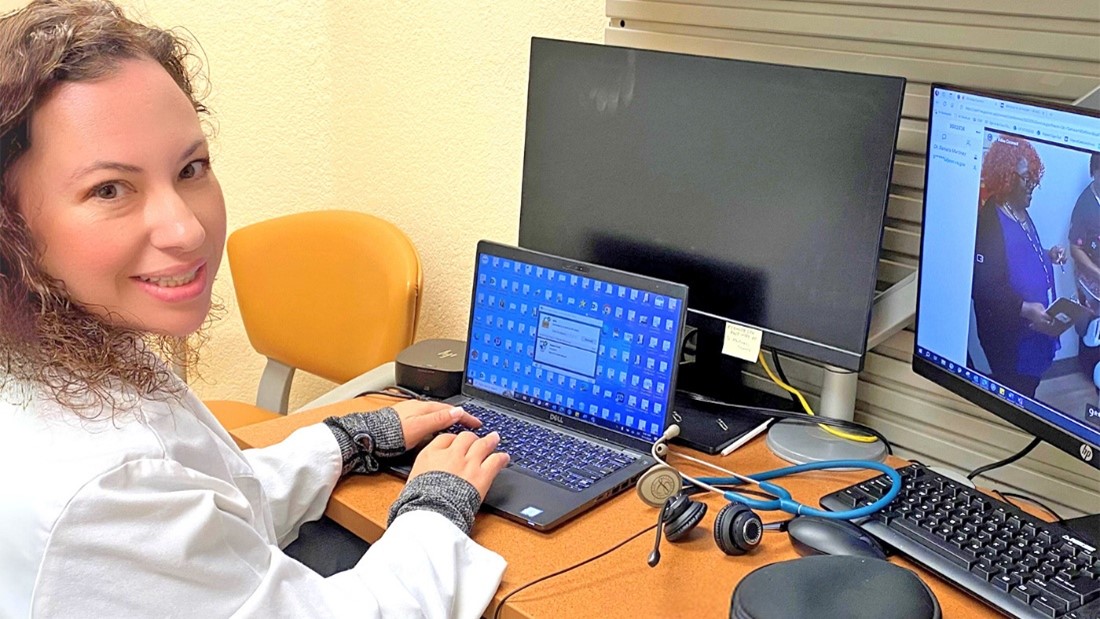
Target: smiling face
119, 196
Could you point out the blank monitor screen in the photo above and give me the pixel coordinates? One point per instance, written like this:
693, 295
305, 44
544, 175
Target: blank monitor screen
763, 187
1009, 297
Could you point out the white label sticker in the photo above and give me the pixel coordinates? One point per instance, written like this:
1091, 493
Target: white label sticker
530, 511
742, 342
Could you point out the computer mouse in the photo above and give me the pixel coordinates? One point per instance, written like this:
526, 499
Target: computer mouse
813, 535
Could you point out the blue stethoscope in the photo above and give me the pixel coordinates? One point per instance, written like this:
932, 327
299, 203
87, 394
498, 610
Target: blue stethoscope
783, 500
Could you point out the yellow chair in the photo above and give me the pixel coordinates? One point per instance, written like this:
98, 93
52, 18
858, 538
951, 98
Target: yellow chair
334, 293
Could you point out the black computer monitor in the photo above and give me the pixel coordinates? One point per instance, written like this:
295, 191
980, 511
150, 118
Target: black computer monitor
761, 186
1009, 284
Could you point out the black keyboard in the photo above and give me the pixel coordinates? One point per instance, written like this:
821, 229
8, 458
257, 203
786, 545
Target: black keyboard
1011, 560
563, 460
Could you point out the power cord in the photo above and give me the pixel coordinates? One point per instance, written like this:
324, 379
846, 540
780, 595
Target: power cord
1009, 460
792, 416
859, 438
500, 607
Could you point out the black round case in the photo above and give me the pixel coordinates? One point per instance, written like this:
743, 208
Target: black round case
833, 587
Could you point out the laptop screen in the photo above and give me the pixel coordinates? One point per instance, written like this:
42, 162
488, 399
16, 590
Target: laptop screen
566, 338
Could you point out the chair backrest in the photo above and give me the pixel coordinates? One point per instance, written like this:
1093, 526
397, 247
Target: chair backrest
334, 293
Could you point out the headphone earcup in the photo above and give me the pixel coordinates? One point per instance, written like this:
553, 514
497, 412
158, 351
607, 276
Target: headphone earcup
737, 529
681, 517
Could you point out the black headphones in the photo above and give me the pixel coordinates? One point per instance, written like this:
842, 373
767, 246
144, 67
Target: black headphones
737, 529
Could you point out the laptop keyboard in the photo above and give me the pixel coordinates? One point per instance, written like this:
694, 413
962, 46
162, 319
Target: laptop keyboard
566, 461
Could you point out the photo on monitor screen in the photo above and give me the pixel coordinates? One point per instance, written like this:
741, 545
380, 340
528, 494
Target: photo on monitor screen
1008, 311
1035, 272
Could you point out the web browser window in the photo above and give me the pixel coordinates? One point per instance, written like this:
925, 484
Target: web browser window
1010, 264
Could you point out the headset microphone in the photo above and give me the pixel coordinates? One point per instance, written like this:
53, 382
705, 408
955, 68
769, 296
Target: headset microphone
678, 516
657, 487
655, 556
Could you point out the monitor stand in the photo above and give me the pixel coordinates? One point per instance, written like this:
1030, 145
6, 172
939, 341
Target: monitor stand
893, 309
709, 427
707, 371
801, 443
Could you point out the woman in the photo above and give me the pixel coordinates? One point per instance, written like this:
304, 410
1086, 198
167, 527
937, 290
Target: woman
1084, 238
122, 495
1013, 272
1084, 248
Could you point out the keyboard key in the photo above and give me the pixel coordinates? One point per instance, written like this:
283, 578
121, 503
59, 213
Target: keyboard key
1053, 590
1048, 606
985, 570
1005, 582
1026, 593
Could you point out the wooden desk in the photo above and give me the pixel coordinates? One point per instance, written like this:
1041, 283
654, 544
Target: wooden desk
694, 578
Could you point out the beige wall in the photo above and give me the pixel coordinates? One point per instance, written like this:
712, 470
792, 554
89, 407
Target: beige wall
413, 111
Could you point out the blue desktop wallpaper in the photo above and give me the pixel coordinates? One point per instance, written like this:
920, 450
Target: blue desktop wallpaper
577, 346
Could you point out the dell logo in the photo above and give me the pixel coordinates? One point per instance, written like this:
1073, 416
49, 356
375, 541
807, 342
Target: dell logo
557, 418
446, 354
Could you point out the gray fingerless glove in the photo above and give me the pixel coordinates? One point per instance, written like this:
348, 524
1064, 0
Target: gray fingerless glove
444, 493
365, 437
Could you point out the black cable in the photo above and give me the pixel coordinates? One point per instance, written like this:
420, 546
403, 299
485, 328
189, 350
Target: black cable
1023, 497
782, 375
1009, 460
500, 607
394, 391
795, 417
778, 525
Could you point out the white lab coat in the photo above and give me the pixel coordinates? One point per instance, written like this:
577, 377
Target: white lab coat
158, 514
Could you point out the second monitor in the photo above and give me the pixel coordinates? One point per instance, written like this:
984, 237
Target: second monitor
762, 187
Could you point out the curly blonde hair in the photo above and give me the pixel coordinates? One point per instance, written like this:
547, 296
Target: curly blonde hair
77, 358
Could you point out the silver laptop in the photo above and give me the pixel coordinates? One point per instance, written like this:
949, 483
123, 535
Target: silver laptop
575, 365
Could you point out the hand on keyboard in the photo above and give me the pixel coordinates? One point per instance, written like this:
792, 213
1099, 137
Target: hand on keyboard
566, 461
465, 455
421, 419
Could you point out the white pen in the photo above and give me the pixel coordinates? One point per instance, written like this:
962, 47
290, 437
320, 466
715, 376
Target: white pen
748, 436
